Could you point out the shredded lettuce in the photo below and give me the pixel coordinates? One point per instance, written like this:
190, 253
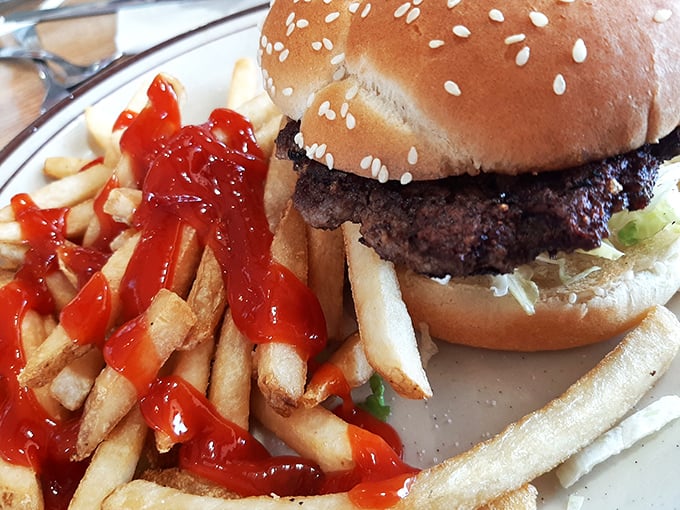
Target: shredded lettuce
375, 402
520, 286
630, 227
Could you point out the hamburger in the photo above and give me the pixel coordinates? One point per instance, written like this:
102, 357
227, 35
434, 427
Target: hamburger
506, 157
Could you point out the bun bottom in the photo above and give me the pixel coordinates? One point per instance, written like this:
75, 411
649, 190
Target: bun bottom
594, 308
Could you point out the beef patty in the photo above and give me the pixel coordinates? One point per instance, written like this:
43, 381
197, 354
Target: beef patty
484, 224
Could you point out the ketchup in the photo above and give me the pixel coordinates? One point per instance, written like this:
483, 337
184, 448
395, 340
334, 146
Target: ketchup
30, 437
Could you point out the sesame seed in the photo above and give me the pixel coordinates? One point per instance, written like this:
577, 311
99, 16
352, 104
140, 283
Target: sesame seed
354, 7
288, 91
263, 41
452, 3
523, 56
539, 19
331, 115
383, 175
412, 156
337, 59
320, 151
515, 38
366, 10
412, 15
323, 108
375, 166
662, 15
402, 9
290, 29
269, 48
299, 140
310, 99
311, 150
330, 160
579, 52
278, 46
365, 162
339, 74
284, 55
352, 92
327, 43
567, 1
406, 177
417, 2
316, 45
436, 43
290, 18
350, 121
559, 85
302, 23
572, 298
461, 31
496, 15
330, 18
452, 88
344, 109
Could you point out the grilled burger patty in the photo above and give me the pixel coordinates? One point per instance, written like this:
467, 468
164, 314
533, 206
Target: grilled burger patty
484, 224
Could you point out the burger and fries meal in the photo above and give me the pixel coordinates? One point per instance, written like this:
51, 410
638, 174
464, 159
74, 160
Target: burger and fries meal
499, 176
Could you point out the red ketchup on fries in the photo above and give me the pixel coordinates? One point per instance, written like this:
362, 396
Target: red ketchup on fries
209, 178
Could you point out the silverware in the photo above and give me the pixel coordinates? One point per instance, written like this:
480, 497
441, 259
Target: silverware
67, 73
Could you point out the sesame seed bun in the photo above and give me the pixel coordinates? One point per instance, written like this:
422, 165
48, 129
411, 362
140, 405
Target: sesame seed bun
422, 90
598, 307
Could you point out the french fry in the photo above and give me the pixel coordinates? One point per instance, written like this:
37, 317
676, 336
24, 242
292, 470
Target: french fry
350, 358
113, 463
33, 333
12, 255
66, 192
72, 385
281, 371
265, 118
384, 323
59, 349
59, 167
10, 232
523, 498
245, 83
186, 481
19, 488
168, 321
62, 286
327, 276
122, 203
278, 189
530, 446
207, 299
315, 433
230, 378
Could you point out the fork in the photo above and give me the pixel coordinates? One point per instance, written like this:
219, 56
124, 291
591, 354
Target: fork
68, 73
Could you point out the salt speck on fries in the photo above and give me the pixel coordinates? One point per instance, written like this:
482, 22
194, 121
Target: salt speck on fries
155, 301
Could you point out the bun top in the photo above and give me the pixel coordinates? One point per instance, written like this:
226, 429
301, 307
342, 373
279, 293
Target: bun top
422, 89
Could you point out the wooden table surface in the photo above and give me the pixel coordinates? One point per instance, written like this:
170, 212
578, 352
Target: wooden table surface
81, 40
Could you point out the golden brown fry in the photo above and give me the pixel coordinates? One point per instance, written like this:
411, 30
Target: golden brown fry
278, 189
315, 433
10, 232
59, 167
33, 334
384, 323
187, 482
140, 494
188, 257
72, 385
281, 372
245, 82
59, 349
113, 464
231, 374
78, 217
122, 203
530, 447
66, 192
351, 360
327, 276
265, 118
19, 488
168, 320
12, 255
523, 498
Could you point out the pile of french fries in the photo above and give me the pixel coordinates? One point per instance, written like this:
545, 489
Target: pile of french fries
195, 338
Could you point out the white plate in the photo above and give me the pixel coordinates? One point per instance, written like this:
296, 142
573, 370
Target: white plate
476, 392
